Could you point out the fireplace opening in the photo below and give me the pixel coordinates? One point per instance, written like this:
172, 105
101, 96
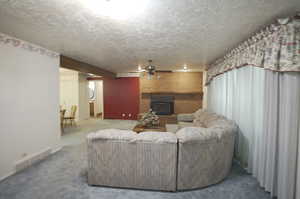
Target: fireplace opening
162, 105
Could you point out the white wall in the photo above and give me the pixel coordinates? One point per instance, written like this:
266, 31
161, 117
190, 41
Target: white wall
29, 102
204, 101
84, 109
99, 97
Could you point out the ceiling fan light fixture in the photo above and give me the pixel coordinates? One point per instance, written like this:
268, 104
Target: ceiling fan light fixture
185, 67
140, 68
150, 69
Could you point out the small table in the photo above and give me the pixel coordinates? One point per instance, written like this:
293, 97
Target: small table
140, 128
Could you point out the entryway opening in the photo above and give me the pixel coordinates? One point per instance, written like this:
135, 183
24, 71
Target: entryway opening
81, 99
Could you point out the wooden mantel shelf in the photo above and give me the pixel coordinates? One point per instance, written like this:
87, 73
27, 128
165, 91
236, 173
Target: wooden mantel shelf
173, 93
186, 88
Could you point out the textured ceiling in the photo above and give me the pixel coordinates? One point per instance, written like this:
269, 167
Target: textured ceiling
171, 32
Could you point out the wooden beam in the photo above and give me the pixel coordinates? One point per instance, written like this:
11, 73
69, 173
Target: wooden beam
69, 63
94, 78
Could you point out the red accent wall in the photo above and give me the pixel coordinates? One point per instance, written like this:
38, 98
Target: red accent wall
121, 96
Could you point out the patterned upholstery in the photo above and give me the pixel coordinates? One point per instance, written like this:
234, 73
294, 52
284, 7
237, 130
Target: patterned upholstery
205, 154
149, 160
185, 117
146, 160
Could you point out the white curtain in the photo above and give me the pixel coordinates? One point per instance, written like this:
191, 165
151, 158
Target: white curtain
279, 162
238, 95
266, 107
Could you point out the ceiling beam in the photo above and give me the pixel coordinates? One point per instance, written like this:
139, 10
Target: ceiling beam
69, 63
94, 78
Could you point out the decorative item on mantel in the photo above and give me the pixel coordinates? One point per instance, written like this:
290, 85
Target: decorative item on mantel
149, 119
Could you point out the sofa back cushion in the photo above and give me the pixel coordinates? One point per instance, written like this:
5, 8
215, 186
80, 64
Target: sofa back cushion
112, 134
131, 136
196, 134
157, 137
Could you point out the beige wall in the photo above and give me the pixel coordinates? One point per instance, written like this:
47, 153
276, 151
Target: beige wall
29, 104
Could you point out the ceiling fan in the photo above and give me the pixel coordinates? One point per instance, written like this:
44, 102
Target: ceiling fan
150, 70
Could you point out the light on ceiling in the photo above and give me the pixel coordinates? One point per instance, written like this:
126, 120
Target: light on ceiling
185, 67
117, 9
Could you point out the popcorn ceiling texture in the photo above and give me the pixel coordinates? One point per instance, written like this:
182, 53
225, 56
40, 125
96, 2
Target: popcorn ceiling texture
171, 32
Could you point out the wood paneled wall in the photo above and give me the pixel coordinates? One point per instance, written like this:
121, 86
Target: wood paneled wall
186, 87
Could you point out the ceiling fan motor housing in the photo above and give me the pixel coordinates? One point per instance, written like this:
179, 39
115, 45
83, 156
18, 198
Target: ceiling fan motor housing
150, 68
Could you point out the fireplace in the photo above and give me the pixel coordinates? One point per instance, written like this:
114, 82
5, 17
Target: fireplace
162, 105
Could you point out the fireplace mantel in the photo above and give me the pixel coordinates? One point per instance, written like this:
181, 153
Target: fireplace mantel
185, 87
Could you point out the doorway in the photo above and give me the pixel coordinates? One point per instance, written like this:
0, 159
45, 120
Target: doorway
96, 98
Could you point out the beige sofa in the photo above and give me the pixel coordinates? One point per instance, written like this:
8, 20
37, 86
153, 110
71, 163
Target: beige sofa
205, 150
122, 158
193, 157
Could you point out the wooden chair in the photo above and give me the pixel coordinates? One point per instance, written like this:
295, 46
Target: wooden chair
62, 116
71, 118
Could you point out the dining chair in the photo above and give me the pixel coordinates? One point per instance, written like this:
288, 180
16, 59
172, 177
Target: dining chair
62, 116
71, 118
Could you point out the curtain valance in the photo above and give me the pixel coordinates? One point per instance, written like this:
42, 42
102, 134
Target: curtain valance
276, 48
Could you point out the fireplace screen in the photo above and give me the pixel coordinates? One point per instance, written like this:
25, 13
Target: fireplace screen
162, 105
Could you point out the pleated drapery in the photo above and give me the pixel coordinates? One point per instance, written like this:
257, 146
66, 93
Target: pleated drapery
275, 48
266, 106
257, 85
238, 95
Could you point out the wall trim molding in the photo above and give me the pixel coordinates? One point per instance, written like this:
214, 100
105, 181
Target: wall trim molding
18, 43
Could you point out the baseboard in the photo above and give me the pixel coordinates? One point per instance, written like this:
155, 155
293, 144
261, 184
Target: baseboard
32, 159
6, 176
56, 150
29, 161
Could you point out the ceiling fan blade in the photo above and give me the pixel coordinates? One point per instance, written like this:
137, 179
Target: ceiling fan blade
164, 71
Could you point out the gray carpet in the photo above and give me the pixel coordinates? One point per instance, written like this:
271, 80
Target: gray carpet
63, 176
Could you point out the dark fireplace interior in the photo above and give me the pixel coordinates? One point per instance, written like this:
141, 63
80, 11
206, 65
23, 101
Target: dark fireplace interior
162, 105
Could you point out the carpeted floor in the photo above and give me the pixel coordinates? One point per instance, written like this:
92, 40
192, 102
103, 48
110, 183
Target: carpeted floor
63, 176
76, 134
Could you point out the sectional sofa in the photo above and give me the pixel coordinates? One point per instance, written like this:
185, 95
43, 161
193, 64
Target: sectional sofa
193, 157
